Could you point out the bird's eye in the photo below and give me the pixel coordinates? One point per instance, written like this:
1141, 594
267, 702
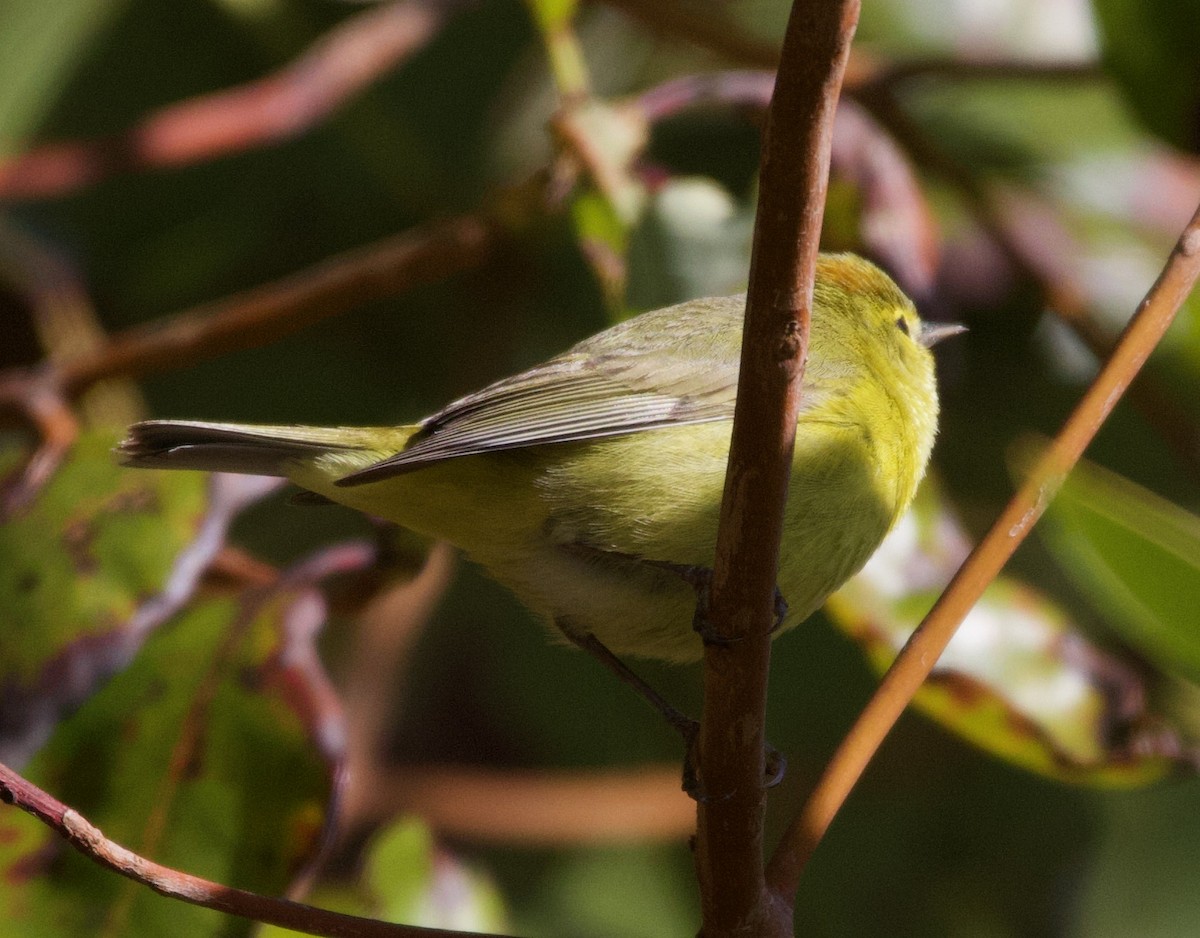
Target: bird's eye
902, 325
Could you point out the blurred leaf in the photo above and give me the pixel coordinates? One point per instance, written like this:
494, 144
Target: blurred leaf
1137, 557
608, 139
80, 579
1018, 679
604, 140
1150, 48
693, 240
553, 14
407, 878
197, 756
1142, 878
618, 892
603, 239
38, 56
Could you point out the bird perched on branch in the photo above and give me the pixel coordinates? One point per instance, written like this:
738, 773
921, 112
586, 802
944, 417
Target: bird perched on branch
590, 485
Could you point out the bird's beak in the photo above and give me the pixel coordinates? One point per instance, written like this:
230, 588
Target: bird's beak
933, 333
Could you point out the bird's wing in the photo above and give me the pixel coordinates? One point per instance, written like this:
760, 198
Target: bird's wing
665, 371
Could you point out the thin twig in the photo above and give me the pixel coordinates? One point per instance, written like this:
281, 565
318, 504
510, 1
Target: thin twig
91, 842
747, 88
794, 176
919, 655
338, 65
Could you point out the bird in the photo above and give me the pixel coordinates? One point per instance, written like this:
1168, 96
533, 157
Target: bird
590, 485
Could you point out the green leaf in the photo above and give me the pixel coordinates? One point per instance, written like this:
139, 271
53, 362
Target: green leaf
1019, 679
1137, 557
196, 756
81, 575
38, 56
693, 240
408, 879
603, 239
553, 14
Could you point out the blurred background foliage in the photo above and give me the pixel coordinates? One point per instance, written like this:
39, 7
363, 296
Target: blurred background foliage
1034, 202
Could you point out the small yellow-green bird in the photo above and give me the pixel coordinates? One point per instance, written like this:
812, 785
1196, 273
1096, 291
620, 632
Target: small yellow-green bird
586, 483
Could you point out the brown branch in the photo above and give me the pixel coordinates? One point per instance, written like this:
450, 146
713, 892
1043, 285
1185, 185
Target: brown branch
265, 313
337, 66
919, 655
750, 88
91, 842
794, 176
536, 808
232, 568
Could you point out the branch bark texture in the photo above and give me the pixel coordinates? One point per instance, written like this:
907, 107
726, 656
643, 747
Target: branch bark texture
793, 180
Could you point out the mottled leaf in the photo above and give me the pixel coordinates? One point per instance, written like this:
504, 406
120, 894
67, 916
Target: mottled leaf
409, 879
1018, 679
199, 755
103, 557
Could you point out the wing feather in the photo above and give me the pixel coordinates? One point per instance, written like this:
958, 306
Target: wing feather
679, 366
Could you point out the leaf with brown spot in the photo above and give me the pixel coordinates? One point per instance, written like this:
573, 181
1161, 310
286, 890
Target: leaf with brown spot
101, 558
1019, 679
180, 759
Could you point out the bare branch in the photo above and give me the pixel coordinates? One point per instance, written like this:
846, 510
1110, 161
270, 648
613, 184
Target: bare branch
536, 808
265, 313
794, 176
732, 88
914, 663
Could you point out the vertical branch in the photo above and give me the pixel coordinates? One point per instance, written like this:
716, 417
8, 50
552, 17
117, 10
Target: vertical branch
795, 168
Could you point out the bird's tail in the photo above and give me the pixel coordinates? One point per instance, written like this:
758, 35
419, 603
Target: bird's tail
247, 448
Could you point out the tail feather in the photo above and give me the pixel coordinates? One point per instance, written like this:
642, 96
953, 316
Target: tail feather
229, 447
